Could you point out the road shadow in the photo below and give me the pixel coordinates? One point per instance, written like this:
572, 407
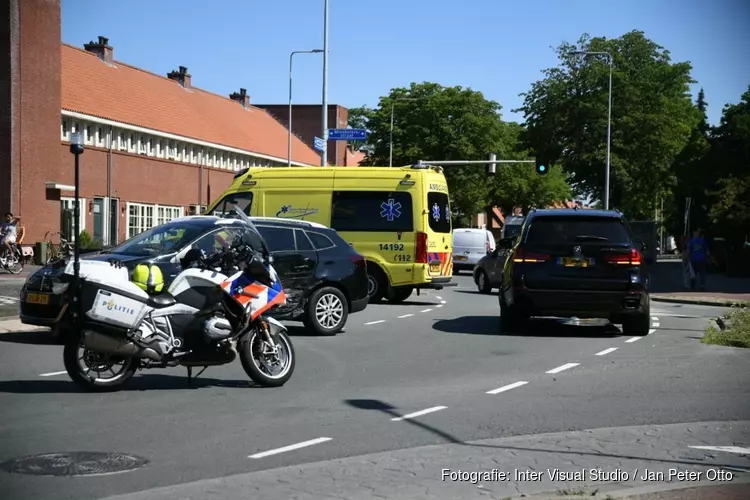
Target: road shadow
39, 337
494, 292
407, 302
391, 411
535, 327
146, 382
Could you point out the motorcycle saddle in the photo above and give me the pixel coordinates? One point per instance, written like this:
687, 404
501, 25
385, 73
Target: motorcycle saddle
162, 300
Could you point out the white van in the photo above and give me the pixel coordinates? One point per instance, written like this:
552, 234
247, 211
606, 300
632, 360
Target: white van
470, 245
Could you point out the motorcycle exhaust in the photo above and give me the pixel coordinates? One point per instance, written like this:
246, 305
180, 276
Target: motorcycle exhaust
110, 345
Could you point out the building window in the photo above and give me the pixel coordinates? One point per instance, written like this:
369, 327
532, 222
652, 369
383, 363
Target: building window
209, 158
123, 140
150, 146
87, 139
64, 130
99, 136
166, 214
140, 218
69, 204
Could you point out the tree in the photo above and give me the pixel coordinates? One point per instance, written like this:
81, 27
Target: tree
728, 160
652, 116
432, 122
358, 118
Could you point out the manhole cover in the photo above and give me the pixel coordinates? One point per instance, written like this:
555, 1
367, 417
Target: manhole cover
76, 463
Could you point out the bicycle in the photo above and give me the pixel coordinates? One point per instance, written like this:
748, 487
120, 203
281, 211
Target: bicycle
12, 263
61, 250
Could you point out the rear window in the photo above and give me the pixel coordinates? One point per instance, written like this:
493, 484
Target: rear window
439, 212
576, 229
372, 211
242, 200
470, 239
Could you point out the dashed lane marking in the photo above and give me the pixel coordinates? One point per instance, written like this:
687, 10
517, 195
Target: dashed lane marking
606, 351
728, 449
656, 325
53, 374
632, 339
425, 310
654, 318
439, 305
375, 322
563, 367
419, 413
292, 447
405, 316
439, 298
442, 302
507, 387
651, 331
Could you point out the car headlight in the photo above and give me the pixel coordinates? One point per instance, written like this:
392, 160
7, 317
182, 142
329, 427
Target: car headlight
59, 288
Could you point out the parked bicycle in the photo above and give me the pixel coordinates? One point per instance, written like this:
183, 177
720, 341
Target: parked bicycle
57, 251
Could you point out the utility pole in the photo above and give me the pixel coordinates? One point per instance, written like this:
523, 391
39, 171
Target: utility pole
324, 153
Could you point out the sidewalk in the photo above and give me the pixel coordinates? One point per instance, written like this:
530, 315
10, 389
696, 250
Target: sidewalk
15, 325
668, 286
600, 463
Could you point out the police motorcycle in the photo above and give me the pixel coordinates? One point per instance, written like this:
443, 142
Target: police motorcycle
212, 311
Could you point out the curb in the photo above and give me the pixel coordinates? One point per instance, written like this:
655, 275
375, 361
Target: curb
698, 302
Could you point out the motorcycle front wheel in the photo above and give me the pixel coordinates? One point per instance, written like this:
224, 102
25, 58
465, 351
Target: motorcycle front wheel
266, 365
93, 371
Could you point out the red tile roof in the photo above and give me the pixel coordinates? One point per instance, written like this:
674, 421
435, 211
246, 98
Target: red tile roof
131, 95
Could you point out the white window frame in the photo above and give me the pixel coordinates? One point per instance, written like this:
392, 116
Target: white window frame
122, 140
144, 220
165, 213
69, 202
65, 129
100, 136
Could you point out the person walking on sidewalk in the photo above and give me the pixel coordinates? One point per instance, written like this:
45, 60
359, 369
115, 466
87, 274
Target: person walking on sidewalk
698, 256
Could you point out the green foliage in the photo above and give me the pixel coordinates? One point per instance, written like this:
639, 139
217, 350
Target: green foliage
737, 333
652, 117
432, 122
85, 241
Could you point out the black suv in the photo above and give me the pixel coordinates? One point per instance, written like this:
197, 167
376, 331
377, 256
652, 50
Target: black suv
576, 263
324, 277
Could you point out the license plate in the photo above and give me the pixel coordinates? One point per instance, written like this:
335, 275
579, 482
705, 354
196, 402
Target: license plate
435, 268
37, 298
571, 262
461, 257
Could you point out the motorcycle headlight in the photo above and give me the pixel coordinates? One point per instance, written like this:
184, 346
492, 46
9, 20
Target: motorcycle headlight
59, 288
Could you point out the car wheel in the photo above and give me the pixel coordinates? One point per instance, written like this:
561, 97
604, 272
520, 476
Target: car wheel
327, 311
510, 320
483, 282
638, 324
377, 283
398, 294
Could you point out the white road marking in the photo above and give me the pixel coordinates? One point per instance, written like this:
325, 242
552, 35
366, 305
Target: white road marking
606, 351
507, 387
654, 318
291, 447
651, 331
656, 325
442, 302
425, 310
633, 339
438, 297
420, 413
728, 449
439, 305
563, 367
375, 322
405, 316
53, 374
7, 297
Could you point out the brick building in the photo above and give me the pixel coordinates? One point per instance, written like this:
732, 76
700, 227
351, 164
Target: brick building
156, 147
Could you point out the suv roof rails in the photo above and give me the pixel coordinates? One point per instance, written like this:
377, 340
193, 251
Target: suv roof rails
290, 221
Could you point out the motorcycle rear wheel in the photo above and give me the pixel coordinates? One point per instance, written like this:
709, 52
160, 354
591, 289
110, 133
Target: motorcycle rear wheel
74, 354
255, 362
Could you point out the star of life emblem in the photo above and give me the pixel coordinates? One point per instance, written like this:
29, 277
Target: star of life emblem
436, 212
390, 210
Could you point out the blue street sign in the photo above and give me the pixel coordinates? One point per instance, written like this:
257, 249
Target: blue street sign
347, 134
320, 144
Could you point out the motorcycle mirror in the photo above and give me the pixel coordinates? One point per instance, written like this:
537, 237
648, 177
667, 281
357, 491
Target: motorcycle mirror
193, 255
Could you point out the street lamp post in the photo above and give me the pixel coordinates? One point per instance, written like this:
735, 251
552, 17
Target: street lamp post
609, 121
291, 58
76, 148
324, 153
393, 105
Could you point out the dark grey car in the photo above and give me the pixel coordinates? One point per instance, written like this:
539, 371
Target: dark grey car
488, 273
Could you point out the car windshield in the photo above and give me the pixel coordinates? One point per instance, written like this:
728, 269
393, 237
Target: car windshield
162, 239
577, 229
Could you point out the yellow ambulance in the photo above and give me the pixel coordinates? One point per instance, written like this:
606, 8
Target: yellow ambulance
398, 218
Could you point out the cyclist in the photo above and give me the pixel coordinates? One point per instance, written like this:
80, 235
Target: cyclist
9, 231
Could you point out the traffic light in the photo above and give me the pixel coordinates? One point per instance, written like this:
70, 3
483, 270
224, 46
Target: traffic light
542, 166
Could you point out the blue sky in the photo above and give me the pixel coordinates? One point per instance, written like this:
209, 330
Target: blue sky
495, 46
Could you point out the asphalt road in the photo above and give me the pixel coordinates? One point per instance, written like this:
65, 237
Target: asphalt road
439, 354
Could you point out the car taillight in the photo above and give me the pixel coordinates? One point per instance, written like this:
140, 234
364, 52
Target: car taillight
358, 261
632, 258
529, 257
421, 254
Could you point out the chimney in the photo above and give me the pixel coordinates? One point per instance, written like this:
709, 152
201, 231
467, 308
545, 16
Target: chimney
241, 98
101, 48
182, 77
